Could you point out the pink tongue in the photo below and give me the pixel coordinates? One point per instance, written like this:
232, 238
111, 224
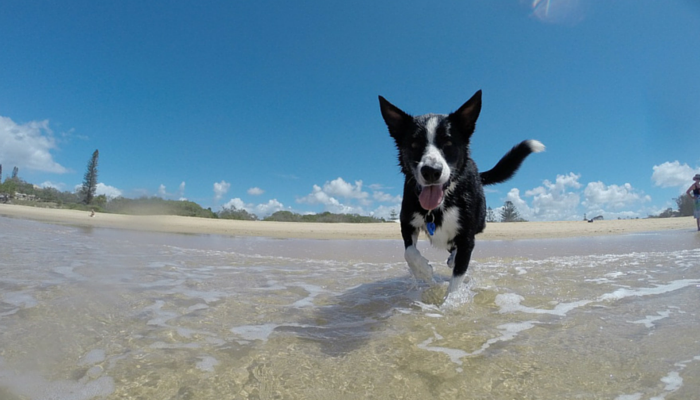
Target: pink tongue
430, 197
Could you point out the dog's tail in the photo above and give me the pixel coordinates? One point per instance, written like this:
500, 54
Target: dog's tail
509, 164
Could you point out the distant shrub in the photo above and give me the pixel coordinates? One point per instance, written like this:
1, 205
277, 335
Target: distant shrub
288, 216
237, 214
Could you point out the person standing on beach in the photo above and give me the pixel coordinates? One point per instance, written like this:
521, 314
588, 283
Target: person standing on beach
694, 192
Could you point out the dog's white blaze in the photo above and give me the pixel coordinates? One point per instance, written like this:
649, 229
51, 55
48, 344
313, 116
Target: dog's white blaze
430, 128
432, 156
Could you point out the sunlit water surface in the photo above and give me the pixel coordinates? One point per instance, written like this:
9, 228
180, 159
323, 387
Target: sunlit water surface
99, 313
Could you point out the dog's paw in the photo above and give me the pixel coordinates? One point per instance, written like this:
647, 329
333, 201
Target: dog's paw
419, 265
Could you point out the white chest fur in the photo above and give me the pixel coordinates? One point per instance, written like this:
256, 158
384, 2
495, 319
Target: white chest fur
445, 232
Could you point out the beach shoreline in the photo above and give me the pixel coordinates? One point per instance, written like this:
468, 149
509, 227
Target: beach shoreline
337, 231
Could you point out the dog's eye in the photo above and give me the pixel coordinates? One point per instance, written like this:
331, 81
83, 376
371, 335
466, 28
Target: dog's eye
415, 145
448, 143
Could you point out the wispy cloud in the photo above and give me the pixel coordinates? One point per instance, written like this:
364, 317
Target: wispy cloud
255, 191
28, 146
220, 189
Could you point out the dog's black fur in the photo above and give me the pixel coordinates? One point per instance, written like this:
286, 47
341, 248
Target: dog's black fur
440, 175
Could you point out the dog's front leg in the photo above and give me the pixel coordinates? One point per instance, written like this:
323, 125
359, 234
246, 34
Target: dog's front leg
418, 264
460, 256
420, 268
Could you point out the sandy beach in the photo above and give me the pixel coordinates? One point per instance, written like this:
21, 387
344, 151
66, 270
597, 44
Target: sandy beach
191, 225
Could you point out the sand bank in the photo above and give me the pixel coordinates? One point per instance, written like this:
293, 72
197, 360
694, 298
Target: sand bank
494, 231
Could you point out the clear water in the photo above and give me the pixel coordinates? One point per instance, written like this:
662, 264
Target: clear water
99, 313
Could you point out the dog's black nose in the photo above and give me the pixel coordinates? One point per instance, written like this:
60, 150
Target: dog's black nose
431, 174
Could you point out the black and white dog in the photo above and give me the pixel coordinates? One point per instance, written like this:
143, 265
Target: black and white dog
443, 191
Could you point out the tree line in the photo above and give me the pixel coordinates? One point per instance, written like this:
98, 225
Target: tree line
85, 198
288, 216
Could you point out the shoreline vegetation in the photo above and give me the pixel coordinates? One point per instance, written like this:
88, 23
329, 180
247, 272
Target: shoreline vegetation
16, 191
339, 231
155, 214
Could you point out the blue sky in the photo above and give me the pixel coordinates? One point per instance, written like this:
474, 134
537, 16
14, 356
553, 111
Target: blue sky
272, 105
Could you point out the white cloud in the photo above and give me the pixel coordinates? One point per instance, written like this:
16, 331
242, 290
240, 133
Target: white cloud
110, 191
255, 191
262, 210
598, 195
28, 146
339, 188
327, 194
235, 203
181, 189
521, 205
49, 184
271, 207
673, 174
386, 211
101, 189
386, 198
163, 193
319, 195
551, 201
561, 200
220, 189
339, 196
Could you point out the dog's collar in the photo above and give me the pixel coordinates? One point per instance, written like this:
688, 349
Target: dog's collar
430, 225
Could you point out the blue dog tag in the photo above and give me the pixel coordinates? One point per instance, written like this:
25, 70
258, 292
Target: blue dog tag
430, 226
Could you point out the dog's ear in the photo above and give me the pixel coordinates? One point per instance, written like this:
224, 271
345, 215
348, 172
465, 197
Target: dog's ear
465, 118
395, 119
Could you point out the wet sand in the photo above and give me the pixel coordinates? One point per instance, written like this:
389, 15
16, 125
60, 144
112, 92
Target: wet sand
300, 230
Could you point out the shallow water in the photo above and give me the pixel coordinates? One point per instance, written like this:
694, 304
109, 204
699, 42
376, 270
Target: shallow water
98, 313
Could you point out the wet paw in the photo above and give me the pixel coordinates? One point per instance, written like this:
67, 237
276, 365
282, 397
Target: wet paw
419, 265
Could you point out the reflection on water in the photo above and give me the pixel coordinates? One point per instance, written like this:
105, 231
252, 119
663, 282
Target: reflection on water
113, 314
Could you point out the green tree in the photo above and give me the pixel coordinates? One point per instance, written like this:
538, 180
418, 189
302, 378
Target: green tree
235, 213
100, 201
393, 214
509, 213
285, 216
686, 205
90, 180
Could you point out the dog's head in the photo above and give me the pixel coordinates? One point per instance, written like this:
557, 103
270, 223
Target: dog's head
433, 148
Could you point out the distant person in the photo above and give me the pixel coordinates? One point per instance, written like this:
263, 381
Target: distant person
694, 192
92, 213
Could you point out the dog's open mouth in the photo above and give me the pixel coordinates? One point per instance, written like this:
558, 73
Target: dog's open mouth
430, 197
